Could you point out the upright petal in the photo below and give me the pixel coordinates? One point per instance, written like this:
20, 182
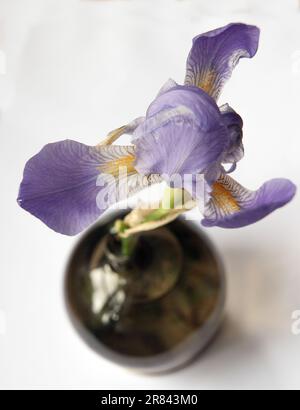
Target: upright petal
153, 122
233, 206
180, 147
215, 54
167, 86
195, 101
68, 185
184, 133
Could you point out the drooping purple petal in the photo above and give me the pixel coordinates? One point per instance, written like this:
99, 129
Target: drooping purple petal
68, 185
215, 54
233, 206
234, 124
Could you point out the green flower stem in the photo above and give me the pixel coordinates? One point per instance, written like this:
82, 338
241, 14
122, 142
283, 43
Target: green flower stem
127, 244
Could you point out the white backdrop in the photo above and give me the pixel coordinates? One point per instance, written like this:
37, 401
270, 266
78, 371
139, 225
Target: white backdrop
77, 69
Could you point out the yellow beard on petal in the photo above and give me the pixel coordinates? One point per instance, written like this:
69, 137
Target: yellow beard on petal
207, 81
113, 167
224, 199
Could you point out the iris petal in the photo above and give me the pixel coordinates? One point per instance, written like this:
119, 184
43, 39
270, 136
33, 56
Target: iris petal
167, 86
234, 124
68, 185
160, 119
196, 101
233, 206
181, 147
215, 54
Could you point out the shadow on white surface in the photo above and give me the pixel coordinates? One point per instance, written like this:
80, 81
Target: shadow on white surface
255, 328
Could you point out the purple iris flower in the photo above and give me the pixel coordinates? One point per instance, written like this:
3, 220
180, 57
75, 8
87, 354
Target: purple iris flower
66, 184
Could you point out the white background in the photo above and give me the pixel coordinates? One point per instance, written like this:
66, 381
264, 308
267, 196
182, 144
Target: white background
77, 69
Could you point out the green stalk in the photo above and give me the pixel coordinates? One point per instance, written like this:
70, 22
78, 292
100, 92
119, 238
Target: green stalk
127, 244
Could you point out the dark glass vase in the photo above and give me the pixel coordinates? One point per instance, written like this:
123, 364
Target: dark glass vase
153, 311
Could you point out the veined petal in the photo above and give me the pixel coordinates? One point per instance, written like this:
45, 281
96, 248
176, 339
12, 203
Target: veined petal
180, 147
215, 54
68, 185
233, 206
